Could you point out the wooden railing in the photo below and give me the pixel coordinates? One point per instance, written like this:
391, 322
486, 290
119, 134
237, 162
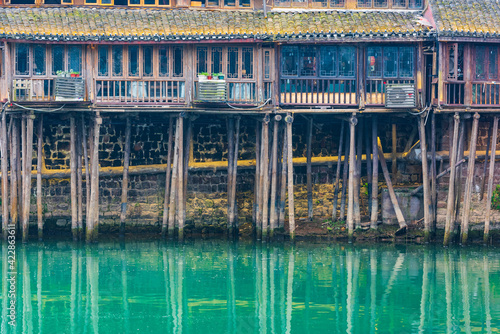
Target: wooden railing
485, 94
33, 90
455, 93
242, 92
318, 91
140, 91
375, 89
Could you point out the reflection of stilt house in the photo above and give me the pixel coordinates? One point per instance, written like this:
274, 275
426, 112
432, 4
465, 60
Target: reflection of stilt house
114, 75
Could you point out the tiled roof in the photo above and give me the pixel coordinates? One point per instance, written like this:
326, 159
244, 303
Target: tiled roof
77, 23
467, 18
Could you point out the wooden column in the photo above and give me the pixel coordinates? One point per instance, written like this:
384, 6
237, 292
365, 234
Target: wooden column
344, 178
27, 162
274, 177
394, 152
458, 176
87, 170
337, 173
174, 184
5, 177
234, 211
449, 225
73, 181
284, 153
230, 158
425, 180
187, 152
180, 187
166, 200
14, 180
433, 172
357, 176
485, 165
93, 214
291, 208
374, 194
490, 180
126, 163
256, 204
309, 169
39, 160
368, 166
265, 178
79, 178
469, 183
352, 171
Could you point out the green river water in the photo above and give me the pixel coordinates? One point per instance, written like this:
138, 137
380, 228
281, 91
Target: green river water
214, 286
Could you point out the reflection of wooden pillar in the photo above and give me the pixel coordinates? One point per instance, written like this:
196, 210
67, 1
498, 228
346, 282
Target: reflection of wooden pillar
291, 208
337, 173
289, 290
5, 178
126, 163
449, 225
490, 180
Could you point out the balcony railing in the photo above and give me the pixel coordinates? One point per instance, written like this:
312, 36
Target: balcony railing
242, 93
375, 89
33, 90
140, 91
455, 93
318, 91
485, 94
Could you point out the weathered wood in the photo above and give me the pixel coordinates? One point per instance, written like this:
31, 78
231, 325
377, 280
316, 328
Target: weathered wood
22, 159
93, 214
282, 204
425, 179
274, 177
180, 187
337, 173
440, 175
390, 188
5, 177
357, 176
433, 172
27, 163
73, 182
174, 184
14, 180
458, 175
485, 166
256, 204
39, 159
79, 178
464, 229
187, 149
265, 179
347, 149
491, 174
230, 158
126, 164
234, 167
368, 167
449, 224
352, 171
87, 169
394, 152
310, 212
374, 194
166, 200
291, 208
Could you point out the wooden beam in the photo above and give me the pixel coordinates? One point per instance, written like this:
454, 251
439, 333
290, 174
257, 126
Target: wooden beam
491, 174
93, 218
282, 204
265, 178
256, 204
235, 174
79, 176
449, 225
14, 173
433, 173
344, 177
230, 158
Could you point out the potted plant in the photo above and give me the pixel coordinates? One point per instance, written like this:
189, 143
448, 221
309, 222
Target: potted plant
75, 74
202, 76
209, 77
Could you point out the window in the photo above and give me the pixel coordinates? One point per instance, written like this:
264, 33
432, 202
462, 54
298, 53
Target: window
372, 3
390, 62
22, 2
117, 59
403, 4
486, 62
163, 60
58, 2
42, 60
221, 3
455, 61
147, 66
411, 4
149, 2
325, 61
22, 59
39, 60
234, 62
216, 65
102, 68
201, 59
310, 3
267, 65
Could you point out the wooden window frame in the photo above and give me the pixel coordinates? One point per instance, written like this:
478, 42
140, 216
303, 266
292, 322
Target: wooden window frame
398, 47
156, 4
72, 2
306, 4
222, 5
455, 47
486, 63
390, 5
225, 60
99, 3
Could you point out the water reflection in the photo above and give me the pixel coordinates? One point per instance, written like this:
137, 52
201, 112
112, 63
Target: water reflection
246, 288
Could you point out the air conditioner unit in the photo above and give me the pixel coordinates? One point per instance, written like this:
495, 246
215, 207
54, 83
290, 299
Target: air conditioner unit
212, 91
69, 89
400, 96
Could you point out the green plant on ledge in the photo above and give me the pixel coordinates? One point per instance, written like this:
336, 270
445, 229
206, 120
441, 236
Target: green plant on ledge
495, 198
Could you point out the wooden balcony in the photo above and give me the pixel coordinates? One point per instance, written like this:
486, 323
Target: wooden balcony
485, 94
242, 93
375, 90
33, 90
318, 92
454, 93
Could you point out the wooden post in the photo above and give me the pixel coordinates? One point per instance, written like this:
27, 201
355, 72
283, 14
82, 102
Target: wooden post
14, 180
291, 208
230, 158
394, 152
433, 172
368, 166
485, 166
166, 201
309, 169
93, 218
256, 204
28, 159
126, 163
265, 178
469, 183
425, 180
72, 163
274, 177
79, 178
281, 220
87, 169
357, 176
5, 176
374, 194
392, 194
180, 187
174, 183
187, 149
352, 171
490, 180
39, 159
458, 175
22, 152
234, 211
449, 225
337, 173
345, 171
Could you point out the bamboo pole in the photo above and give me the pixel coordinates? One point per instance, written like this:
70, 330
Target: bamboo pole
491, 174
166, 201
464, 229
337, 173
14, 180
28, 159
230, 158
180, 196
374, 194
433, 173
265, 178
291, 208
73, 185
126, 164
425, 180
79, 179
5, 178
352, 171
309, 169
39, 159
345, 171
93, 218
174, 184
485, 166
282, 204
274, 177
449, 225
392, 194
256, 204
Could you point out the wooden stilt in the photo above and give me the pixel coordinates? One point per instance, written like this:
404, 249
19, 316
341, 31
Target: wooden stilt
174, 184
39, 160
337, 173
368, 166
234, 211
91, 156
73, 182
282, 204
352, 171
79, 178
230, 158
126, 163
491, 174
93, 218
464, 229
392, 194
27, 163
87, 169
394, 152
485, 166
274, 177
291, 208
449, 225
187, 149
433, 173
20, 168
309, 169
14, 180
425, 180
5, 177
166, 202
458, 175
180, 187
265, 178
374, 194
345, 171
357, 177
256, 204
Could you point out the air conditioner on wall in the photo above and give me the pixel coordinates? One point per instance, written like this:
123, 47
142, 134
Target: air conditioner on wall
400, 96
